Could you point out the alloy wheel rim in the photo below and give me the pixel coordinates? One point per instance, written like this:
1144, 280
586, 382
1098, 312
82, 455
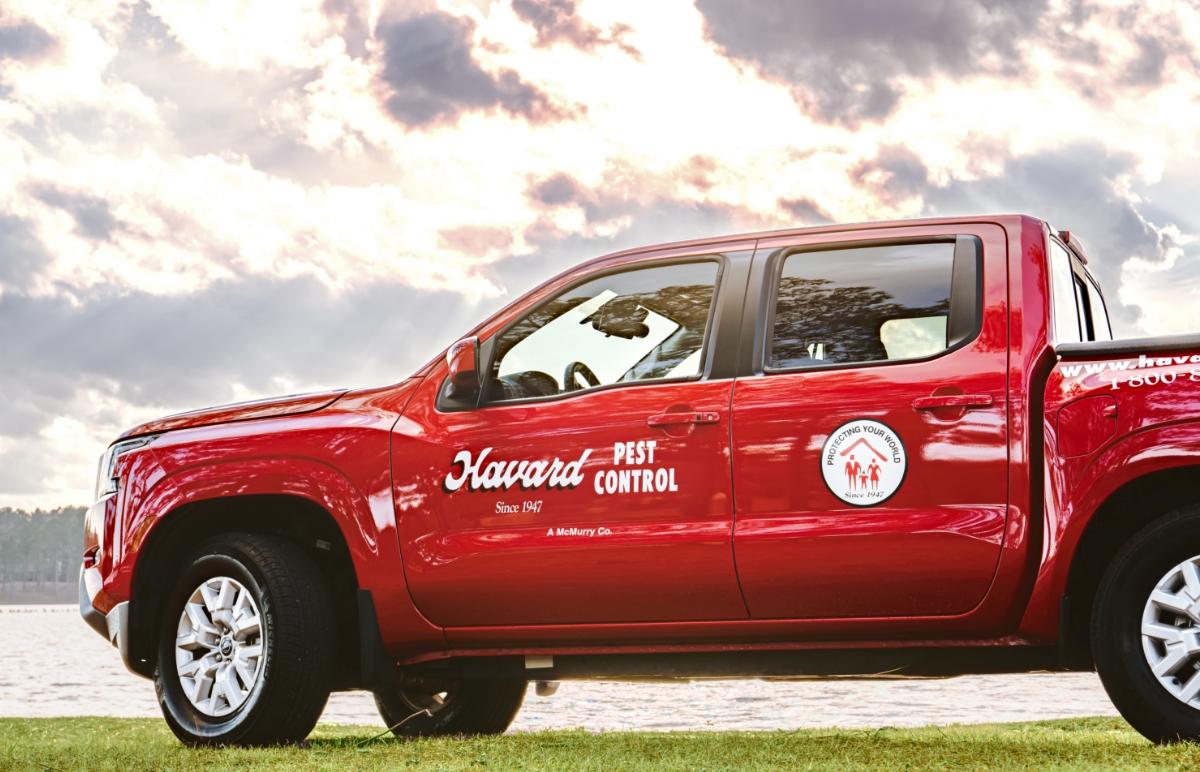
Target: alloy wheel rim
219, 646
1171, 631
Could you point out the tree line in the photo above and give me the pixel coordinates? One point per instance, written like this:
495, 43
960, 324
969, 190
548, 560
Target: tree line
40, 546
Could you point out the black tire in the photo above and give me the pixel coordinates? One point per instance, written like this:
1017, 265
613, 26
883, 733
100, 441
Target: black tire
296, 614
1117, 622
470, 707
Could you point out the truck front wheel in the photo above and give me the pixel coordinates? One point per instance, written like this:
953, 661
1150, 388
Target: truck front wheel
1146, 629
246, 644
468, 707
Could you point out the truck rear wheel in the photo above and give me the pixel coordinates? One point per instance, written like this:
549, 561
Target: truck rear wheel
468, 707
1146, 629
246, 644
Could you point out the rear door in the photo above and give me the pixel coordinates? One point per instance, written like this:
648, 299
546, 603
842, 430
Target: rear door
870, 443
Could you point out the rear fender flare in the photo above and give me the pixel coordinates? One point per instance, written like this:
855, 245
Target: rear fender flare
1159, 448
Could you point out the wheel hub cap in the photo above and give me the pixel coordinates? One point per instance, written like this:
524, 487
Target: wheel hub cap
219, 646
1171, 631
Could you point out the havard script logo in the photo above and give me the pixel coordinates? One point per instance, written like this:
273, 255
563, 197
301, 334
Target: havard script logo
478, 474
863, 462
635, 470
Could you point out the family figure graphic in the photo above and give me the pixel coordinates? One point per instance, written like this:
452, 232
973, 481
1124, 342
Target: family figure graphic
859, 477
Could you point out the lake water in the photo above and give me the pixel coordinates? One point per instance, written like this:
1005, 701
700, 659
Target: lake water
52, 664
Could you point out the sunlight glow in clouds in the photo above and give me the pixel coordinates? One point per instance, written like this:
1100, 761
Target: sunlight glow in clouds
211, 201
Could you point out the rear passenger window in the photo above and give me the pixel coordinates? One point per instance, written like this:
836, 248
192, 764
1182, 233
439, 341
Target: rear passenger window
1103, 328
872, 304
1068, 326
1081, 308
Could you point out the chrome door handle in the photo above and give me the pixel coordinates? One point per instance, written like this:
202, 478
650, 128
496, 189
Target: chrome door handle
963, 401
676, 419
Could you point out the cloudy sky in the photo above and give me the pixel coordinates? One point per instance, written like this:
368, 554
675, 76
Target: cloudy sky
201, 203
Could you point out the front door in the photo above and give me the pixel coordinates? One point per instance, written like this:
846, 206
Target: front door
593, 483
870, 453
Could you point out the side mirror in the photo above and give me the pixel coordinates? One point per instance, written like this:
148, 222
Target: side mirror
463, 361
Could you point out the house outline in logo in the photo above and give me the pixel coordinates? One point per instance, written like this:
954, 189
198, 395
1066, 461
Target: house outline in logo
870, 447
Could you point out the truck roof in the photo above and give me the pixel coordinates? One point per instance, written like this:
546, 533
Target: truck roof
1009, 219
1001, 219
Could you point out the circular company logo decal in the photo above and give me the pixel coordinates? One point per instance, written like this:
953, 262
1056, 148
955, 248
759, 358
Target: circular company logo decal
863, 462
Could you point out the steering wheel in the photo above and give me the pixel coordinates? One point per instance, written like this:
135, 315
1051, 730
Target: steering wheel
578, 368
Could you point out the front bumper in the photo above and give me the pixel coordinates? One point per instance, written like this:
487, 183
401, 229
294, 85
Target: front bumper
114, 625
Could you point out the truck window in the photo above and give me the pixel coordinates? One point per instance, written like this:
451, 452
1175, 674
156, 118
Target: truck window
1082, 310
1100, 321
637, 325
862, 304
1065, 305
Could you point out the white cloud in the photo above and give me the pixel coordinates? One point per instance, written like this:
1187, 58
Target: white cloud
245, 142
1168, 295
252, 34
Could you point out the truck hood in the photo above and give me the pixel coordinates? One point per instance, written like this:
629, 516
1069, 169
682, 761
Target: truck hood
293, 404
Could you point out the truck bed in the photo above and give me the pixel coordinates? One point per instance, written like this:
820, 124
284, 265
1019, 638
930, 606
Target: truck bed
1103, 348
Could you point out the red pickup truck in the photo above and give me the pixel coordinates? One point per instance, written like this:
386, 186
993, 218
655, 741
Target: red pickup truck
895, 448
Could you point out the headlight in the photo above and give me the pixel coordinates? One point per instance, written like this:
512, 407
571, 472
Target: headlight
106, 482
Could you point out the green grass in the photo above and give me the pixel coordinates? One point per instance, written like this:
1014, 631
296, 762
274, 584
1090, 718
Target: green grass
132, 744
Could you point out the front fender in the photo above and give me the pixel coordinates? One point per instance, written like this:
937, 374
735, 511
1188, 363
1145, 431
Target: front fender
339, 463
362, 518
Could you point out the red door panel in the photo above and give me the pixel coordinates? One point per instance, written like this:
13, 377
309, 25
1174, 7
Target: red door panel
929, 548
590, 545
